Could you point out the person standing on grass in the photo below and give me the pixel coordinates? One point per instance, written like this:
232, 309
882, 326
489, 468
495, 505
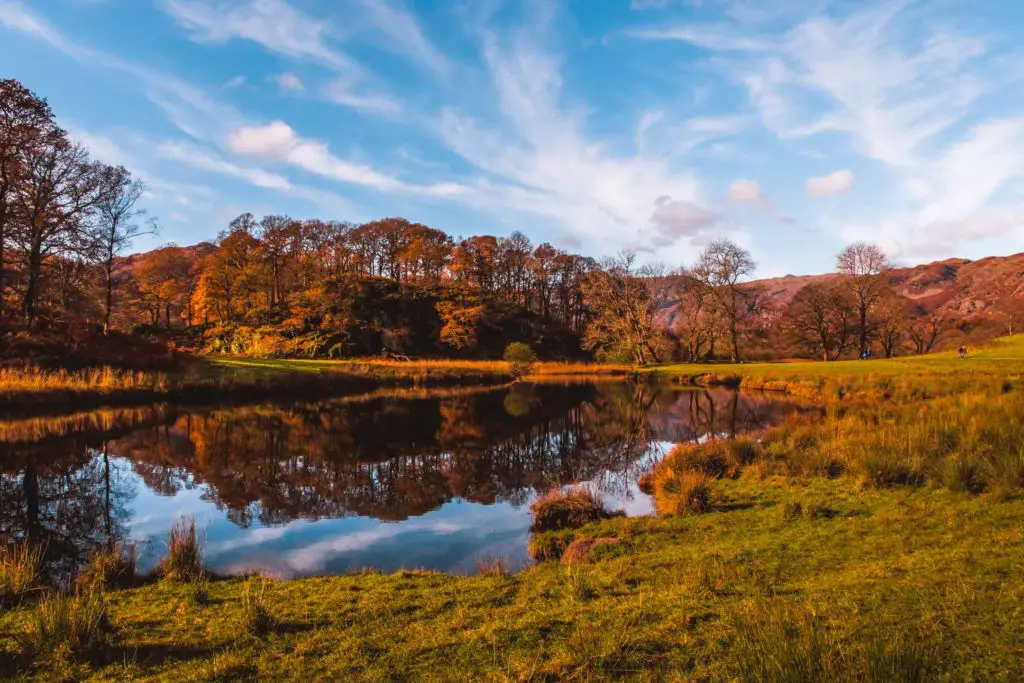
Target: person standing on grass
963, 352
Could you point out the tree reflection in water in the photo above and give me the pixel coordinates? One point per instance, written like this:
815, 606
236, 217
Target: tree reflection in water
383, 457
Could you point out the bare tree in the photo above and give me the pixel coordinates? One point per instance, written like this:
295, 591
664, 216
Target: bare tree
926, 330
696, 324
823, 318
1009, 310
116, 225
891, 317
621, 310
864, 266
721, 267
25, 121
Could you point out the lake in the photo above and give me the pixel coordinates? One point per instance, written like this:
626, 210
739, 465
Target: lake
437, 479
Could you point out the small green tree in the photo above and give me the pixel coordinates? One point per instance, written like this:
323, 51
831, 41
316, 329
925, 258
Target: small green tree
520, 358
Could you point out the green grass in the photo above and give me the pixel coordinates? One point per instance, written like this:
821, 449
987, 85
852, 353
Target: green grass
933, 576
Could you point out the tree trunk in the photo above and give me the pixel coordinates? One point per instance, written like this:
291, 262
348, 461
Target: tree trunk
35, 264
109, 299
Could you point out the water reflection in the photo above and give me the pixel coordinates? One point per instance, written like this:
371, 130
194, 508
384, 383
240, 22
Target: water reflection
436, 480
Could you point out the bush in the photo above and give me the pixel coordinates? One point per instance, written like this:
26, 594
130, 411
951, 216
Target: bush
19, 570
568, 509
520, 358
184, 559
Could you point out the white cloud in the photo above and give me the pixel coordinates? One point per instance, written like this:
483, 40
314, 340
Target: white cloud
403, 34
680, 219
274, 24
236, 82
277, 141
196, 157
744, 191
289, 82
342, 91
834, 183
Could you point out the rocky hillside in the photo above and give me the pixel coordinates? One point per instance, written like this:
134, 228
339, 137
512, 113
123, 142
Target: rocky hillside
968, 290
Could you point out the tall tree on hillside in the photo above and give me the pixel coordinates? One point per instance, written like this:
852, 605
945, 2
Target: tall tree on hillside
721, 268
864, 266
823, 319
622, 315
25, 121
116, 225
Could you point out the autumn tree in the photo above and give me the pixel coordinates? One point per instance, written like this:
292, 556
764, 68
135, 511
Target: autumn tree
62, 187
460, 317
863, 267
25, 122
621, 312
823, 319
721, 268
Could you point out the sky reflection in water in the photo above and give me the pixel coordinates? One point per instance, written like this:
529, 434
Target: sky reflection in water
439, 481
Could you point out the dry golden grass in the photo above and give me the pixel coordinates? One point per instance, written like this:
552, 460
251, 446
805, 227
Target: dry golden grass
103, 379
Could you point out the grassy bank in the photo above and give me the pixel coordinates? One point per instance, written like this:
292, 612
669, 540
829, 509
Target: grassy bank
880, 541
861, 585
209, 378
986, 369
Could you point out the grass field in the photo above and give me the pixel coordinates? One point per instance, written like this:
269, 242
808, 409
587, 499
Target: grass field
880, 541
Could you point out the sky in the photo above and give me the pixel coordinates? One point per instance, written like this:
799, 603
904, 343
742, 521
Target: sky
792, 127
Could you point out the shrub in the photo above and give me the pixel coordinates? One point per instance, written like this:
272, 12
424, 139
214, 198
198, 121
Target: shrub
184, 559
679, 492
19, 570
791, 511
65, 626
569, 509
520, 358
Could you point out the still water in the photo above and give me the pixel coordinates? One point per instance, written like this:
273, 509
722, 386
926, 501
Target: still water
439, 480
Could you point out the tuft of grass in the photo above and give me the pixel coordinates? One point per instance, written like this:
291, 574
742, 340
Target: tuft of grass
20, 564
184, 558
63, 627
680, 491
257, 618
112, 567
567, 509
493, 566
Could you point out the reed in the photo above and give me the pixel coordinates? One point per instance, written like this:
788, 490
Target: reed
184, 558
20, 564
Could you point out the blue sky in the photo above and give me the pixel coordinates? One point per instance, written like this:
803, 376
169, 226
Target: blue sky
792, 127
